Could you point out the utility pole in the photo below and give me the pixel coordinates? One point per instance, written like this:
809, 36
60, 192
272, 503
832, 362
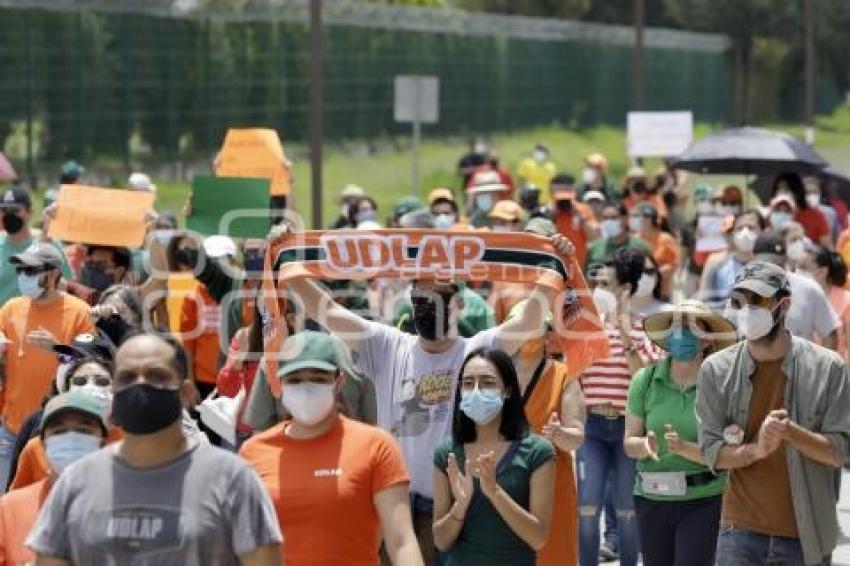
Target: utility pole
316, 95
638, 77
809, 18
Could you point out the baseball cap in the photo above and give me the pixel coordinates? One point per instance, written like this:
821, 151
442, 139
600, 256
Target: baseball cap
593, 195
141, 182
39, 254
763, 278
219, 246
540, 226
597, 160
507, 210
309, 349
786, 198
76, 402
563, 187
351, 191
16, 197
73, 169
770, 242
420, 218
703, 192
440, 193
86, 346
406, 205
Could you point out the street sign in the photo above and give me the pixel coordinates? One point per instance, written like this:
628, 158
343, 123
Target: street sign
417, 99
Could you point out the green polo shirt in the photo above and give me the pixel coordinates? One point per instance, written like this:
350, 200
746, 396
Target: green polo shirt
658, 400
602, 248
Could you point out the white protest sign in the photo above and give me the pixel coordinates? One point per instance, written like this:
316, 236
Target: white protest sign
659, 134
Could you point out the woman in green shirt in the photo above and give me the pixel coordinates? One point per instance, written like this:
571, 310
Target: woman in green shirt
493, 480
677, 498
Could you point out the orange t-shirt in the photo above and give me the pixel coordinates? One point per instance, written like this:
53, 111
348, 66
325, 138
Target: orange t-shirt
33, 465
323, 489
665, 249
30, 370
572, 225
18, 512
813, 222
200, 319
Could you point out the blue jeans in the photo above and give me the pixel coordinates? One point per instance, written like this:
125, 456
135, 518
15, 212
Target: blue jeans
602, 453
740, 547
7, 449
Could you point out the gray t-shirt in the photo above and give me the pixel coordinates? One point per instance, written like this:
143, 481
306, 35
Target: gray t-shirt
205, 507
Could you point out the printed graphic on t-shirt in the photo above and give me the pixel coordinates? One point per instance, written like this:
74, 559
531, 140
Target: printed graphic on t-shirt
423, 403
138, 529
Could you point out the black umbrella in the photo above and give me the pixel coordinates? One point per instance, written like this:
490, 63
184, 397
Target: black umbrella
838, 181
749, 151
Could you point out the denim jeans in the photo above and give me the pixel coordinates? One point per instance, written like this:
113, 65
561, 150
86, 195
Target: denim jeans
602, 453
740, 547
7, 449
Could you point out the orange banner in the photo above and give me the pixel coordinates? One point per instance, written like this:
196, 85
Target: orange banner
255, 153
107, 217
429, 254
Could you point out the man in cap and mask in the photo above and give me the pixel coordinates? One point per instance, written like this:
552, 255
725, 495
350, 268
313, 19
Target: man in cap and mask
572, 218
155, 480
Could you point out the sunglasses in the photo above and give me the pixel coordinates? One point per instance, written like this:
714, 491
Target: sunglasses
650, 271
31, 270
740, 300
99, 380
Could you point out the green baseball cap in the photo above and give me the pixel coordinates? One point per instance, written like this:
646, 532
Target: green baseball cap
406, 205
74, 402
309, 350
763, 278
72, 169
540, 226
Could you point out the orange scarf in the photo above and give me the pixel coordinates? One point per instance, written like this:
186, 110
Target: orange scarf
431, 254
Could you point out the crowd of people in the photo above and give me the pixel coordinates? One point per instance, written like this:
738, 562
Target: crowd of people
434, 420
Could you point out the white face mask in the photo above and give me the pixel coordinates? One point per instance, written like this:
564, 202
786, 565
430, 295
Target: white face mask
484, 202
704, 207
588, 175
30, 286
635, 223
443, 221
611, 228
66, 448
752, 322
796, 250
308, 403
539, 156
103, 395
780, 219
813, 200
605, 301
646, 285
745, 240
479, 148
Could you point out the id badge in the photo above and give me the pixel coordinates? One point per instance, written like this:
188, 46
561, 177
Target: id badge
664, 483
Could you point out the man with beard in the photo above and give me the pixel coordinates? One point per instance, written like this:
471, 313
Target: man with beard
15, 237
774, 410
415, 375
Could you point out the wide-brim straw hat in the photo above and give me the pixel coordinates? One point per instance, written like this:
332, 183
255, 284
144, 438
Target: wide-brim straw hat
720, 331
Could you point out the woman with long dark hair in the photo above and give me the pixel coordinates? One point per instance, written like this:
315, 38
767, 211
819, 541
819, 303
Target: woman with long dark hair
813, 220
494, 480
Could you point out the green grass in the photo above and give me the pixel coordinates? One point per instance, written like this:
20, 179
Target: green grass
386, 175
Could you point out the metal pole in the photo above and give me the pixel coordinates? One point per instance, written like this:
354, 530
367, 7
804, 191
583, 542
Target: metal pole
30, 171
316, 110
417, 136
810, 71
638, 79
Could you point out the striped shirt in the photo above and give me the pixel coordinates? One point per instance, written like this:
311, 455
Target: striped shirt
606, 382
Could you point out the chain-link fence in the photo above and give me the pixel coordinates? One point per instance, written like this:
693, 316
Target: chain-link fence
165, 78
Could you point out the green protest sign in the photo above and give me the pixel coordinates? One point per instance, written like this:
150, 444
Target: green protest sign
232, 206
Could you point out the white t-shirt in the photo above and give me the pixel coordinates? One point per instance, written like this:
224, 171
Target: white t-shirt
810, 310
415, 392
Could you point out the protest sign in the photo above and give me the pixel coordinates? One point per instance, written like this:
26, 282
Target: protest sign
710, 234
106, 217
255, 153
230, 206
659, 134
416, 254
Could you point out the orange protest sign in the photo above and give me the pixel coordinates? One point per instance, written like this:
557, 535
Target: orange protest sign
255, 153
107, 217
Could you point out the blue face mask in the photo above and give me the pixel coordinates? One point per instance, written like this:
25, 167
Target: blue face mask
482, 406
30, 286
66, 448
683, 345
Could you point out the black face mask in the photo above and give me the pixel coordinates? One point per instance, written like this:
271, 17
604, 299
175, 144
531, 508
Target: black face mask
145, 409
186, 257
564, 205
254, 260
426, 317
12, 223
114, 327
96, 279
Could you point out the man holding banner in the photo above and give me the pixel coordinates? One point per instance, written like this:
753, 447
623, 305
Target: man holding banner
415, 376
